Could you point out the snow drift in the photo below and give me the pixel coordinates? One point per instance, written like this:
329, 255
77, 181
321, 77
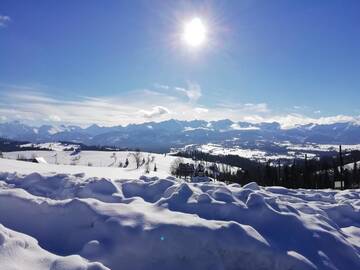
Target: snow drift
19, 251
153, 223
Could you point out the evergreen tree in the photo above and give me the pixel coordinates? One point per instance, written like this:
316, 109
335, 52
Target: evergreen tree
278, 174
286, 180
307, 173
341, 168
346, 177
306, 180
336, 174
355, 175
294, 175
326, 181
268, 175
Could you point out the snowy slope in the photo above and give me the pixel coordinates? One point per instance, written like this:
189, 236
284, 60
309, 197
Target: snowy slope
165, 223
55, 146
103, 164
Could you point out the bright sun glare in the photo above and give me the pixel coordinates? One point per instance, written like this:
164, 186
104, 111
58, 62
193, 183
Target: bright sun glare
194, 33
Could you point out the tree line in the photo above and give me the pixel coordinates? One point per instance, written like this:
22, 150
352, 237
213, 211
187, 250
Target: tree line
339, 171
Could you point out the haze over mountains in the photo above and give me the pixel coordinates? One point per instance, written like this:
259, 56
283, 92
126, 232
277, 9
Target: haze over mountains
164, 135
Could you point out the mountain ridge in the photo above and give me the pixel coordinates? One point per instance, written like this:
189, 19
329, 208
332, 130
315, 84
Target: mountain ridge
177, 133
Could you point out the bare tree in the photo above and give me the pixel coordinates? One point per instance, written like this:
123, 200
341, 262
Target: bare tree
137, 156
147, 167
114, 158
147, 164
175, 165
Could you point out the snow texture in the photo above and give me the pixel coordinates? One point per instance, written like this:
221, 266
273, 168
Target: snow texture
55, 218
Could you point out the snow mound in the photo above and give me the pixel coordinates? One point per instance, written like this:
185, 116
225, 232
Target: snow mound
63, 186
19, 251
154, 223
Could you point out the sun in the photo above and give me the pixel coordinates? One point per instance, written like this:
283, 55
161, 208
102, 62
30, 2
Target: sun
195, 32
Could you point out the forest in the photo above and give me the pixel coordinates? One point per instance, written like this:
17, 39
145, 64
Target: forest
339, 171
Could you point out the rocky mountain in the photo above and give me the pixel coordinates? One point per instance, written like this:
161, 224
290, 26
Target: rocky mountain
164, 135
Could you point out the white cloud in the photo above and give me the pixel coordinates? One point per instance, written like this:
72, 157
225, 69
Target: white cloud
161, 86
260, 107
155, 112
114, 110
201, 110
4, 20
138, 107
247, 107
193, 91
292, 120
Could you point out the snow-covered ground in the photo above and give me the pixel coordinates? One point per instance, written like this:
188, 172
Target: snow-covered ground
216, 149
55, 146
319, 147
91, 217
290, 150
91, 163
253, 154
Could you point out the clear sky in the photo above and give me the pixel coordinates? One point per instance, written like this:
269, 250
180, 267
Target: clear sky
118, 62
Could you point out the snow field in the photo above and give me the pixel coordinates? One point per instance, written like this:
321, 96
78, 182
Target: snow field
90, 163
99, 216
166, 223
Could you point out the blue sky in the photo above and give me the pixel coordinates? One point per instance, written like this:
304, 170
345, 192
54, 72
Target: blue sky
118, 62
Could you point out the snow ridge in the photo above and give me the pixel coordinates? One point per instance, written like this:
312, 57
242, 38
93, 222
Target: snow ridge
153, 223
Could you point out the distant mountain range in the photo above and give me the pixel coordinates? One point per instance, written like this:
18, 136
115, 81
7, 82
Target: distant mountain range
164, 135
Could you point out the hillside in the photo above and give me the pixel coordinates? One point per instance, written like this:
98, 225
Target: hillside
90, 163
